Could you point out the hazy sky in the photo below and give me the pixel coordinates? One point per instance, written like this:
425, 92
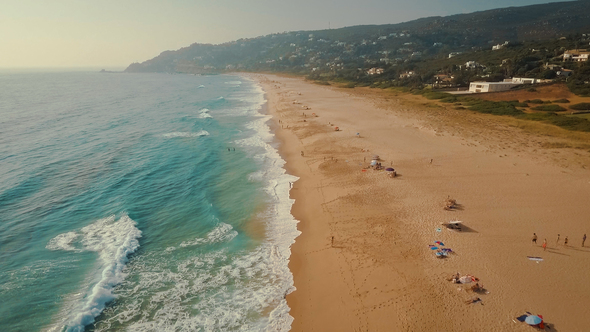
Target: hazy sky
110, 34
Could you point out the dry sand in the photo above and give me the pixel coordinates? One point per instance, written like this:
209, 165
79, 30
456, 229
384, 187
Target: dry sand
379, 274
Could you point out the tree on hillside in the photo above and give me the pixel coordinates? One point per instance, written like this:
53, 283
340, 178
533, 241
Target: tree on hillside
579, 82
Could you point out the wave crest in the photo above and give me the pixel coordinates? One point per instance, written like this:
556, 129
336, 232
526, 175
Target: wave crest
186, 134
114, 241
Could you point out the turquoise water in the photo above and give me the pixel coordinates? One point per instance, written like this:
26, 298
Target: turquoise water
140, 202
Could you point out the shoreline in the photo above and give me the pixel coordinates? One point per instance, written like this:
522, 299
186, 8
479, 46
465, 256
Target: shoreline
379, 275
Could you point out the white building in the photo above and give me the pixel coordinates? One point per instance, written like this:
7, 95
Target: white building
478, 87
576, 55
472, 65
375, 71
526, 80
407, 74
499, 46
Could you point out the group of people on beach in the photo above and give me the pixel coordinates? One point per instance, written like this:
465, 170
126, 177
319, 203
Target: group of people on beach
565, 241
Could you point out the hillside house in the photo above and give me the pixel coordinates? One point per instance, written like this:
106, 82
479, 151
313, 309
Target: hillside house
443, 81
479, 87
499, 46
407, 74
565, 72
452, 54
552, 67
577, 55
375, 71
472, 65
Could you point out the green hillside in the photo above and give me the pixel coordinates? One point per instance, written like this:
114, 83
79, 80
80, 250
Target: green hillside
537, 35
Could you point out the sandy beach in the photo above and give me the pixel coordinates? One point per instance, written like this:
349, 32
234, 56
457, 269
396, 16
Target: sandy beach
363, 262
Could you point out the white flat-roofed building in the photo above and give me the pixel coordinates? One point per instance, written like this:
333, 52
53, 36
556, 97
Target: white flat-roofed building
478, 87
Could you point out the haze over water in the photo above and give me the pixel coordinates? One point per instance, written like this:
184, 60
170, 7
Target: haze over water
121, 206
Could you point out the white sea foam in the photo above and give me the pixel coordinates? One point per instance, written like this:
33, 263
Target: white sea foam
186, 134
282, 227
204, 113
113, 240
219, 290
234, 82
251, 100
222, 233
63, 242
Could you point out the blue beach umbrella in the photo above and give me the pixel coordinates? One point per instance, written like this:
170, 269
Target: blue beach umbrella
533, 320
433, 248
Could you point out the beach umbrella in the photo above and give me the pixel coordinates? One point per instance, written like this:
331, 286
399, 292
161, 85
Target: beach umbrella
389, 169
373, 162
433, 247
439, 243
466, 280
533, 320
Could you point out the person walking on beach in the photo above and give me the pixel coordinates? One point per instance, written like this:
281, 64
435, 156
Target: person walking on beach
534, 238
565, 241
544, 244
557, 242
583, 240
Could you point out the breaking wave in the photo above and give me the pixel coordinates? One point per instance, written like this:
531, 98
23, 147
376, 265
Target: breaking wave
113, 240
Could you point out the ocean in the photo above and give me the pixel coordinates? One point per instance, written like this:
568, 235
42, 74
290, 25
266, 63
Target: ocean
141, 202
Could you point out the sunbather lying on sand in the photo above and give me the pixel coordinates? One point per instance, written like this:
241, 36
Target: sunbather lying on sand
474, 301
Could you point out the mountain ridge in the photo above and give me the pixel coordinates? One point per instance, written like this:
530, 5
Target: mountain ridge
363, 46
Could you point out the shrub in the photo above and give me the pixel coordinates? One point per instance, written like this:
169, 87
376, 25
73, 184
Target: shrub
493, 107
561, 101
534, 101
515, 103
449, 99
549, 108
581, 107
531, 90
436, 95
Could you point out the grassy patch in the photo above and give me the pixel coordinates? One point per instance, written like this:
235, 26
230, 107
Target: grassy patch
583, 116
580, 107
436, 95
561, 101
492, 107
566, 122
549, 108
534, 101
